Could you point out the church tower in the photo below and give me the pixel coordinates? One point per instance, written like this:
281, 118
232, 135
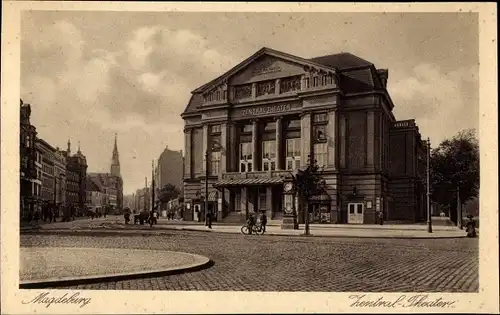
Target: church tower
115, 161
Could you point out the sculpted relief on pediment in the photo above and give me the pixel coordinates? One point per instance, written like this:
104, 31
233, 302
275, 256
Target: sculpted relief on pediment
266, 68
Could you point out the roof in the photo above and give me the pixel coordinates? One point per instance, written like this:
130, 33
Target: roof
91, 185
103, 179
342, 61
248, 181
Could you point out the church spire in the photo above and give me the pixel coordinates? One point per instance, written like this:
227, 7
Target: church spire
69, 146
115, 160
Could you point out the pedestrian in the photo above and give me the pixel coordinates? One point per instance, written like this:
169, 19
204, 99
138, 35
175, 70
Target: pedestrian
208, 220
263, 221
470, 227
381, 217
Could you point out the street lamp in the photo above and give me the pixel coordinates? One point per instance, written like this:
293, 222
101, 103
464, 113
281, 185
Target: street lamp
429, 220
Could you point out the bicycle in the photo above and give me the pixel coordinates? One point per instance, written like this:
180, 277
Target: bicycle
256, 229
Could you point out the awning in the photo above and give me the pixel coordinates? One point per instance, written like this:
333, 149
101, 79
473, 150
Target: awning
249, 181
212, 196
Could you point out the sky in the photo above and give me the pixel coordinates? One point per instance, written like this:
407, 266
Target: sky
89, 75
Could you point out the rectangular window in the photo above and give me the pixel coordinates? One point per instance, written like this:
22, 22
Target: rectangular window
315, 81
321, 154
293, 153
215, 163
319, 133
245, 157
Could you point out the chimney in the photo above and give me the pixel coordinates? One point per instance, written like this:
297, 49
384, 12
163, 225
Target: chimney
384, 76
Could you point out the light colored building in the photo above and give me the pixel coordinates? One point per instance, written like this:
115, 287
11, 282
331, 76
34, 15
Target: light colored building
95, 198
168, 169
248, 129
107, 185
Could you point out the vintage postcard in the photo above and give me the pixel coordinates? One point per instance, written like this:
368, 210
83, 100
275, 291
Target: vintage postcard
249, 158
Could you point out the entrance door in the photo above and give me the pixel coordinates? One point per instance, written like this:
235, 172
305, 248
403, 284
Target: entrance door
355, 214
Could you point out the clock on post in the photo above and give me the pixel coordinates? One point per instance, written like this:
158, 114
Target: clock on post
289, 215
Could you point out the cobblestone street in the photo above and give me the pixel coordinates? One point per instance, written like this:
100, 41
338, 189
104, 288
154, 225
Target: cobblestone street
276, 263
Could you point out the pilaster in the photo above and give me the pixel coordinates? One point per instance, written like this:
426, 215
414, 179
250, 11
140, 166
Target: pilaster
232, 148
370, 139
269, 202
255, 145
224, 145
279, 143
332, 138
187, 150
305, 135
204, 148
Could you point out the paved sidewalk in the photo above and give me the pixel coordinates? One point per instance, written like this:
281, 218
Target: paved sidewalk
114, 224
49, 266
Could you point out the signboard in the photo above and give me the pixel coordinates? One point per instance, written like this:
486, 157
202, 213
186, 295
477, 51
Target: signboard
266, 110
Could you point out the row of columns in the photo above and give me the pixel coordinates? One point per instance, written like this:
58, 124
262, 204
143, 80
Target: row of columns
230, 158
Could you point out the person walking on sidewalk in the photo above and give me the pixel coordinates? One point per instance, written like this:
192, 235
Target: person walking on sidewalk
263, 221
381, 217
208, 220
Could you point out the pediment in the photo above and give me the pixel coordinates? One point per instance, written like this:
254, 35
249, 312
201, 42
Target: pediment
266, 64
264, 68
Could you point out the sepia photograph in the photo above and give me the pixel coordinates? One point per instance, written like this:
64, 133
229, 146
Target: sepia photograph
197, 151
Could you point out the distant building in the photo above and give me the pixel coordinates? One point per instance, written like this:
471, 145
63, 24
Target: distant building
30, 183
95, 198
111, 184
142, 199
47, 176
76, 181
169, 169
107, 184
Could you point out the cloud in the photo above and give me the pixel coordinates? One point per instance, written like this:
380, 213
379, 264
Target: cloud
439, 101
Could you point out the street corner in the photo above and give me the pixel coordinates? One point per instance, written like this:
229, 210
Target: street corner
59, 266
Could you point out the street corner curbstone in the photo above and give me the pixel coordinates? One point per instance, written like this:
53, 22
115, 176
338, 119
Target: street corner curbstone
75, 281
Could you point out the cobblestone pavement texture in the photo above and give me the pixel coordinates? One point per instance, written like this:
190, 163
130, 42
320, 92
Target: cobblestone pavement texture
52, 263
279, 263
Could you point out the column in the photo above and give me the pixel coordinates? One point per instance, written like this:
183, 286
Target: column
279, 143
305, 138
232, 148
302, 82
244, 201
220, 208
255, 145
269, 202
277, 90
254, 90
224, 146
204, 148
332, 138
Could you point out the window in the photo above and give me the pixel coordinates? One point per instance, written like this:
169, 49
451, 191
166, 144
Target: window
215, 163
321, 154
293, 153
214, 129
246, 157
262, 199
268, 155
315, 81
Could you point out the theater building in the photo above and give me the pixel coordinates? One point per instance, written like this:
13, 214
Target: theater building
255, 125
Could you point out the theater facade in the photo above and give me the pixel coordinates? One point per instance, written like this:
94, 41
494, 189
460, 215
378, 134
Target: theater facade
251, 128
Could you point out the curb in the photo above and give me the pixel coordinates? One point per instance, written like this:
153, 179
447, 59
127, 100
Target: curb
113, 278
165, 232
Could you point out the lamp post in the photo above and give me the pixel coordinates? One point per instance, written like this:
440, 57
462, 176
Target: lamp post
429, 219
459, 208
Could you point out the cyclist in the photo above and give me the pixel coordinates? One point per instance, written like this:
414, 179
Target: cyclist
250, 223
